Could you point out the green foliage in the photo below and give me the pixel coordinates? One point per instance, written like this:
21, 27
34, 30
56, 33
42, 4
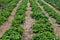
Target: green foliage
37, 15
15, 32
4, 1
51, 12
42, 28
55, 3
2, 19
6, 11
45, 36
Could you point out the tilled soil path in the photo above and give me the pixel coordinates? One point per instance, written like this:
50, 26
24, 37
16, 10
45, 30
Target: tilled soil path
52, 20
27, 34
5, 26
51, 7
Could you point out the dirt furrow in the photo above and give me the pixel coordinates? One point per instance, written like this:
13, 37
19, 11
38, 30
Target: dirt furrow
5, 26
52, 20
27, 34
51, 7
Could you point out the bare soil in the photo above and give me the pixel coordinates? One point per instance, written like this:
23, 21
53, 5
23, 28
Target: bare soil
5, 26
27, 34
51, 7
52, 20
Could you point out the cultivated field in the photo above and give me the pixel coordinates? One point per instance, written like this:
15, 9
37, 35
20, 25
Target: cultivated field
29, 19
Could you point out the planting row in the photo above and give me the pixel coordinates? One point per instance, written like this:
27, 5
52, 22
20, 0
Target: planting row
15, 32
51, 12
4, 1
55, 3
7, 10
42, 28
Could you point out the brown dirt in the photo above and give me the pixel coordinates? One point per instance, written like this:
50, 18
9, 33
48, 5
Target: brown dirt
27, 34
52, 20
51, 7
5, 26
